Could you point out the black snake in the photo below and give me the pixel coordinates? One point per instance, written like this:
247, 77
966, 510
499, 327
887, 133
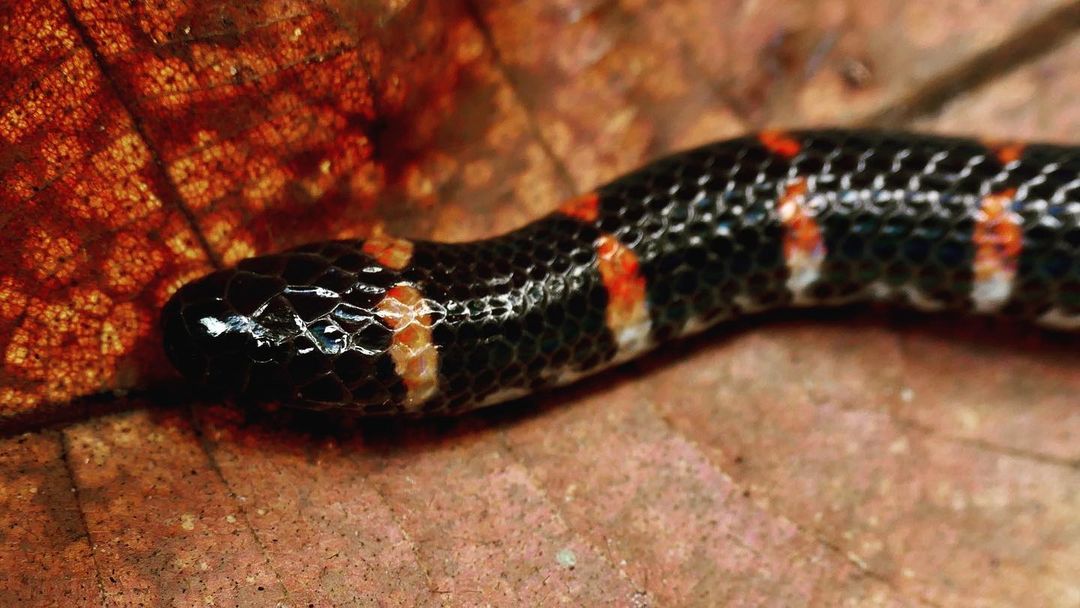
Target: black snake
389, 326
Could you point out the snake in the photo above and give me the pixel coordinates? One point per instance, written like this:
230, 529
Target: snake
388, 326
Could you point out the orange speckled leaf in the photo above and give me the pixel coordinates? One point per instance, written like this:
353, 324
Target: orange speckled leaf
867, 459
144, 145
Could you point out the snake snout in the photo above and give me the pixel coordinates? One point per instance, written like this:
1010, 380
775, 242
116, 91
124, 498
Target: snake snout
213, 333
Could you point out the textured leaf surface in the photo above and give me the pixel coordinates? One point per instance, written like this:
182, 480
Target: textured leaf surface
853, 457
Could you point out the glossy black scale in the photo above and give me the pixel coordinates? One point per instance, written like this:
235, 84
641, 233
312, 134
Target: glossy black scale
511, 314
1049, 269
703, 227
533, 311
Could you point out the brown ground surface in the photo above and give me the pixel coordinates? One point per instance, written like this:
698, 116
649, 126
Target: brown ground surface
855, 457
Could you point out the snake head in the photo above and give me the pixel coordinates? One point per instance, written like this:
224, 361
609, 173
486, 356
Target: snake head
298, 327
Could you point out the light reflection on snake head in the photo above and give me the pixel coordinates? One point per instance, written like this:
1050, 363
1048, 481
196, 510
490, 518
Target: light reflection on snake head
250, 331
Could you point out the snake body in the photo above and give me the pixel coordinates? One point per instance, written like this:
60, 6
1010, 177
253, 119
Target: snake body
387, 326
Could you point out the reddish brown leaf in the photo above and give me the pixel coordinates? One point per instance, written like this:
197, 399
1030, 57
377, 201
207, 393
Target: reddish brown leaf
144, 145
